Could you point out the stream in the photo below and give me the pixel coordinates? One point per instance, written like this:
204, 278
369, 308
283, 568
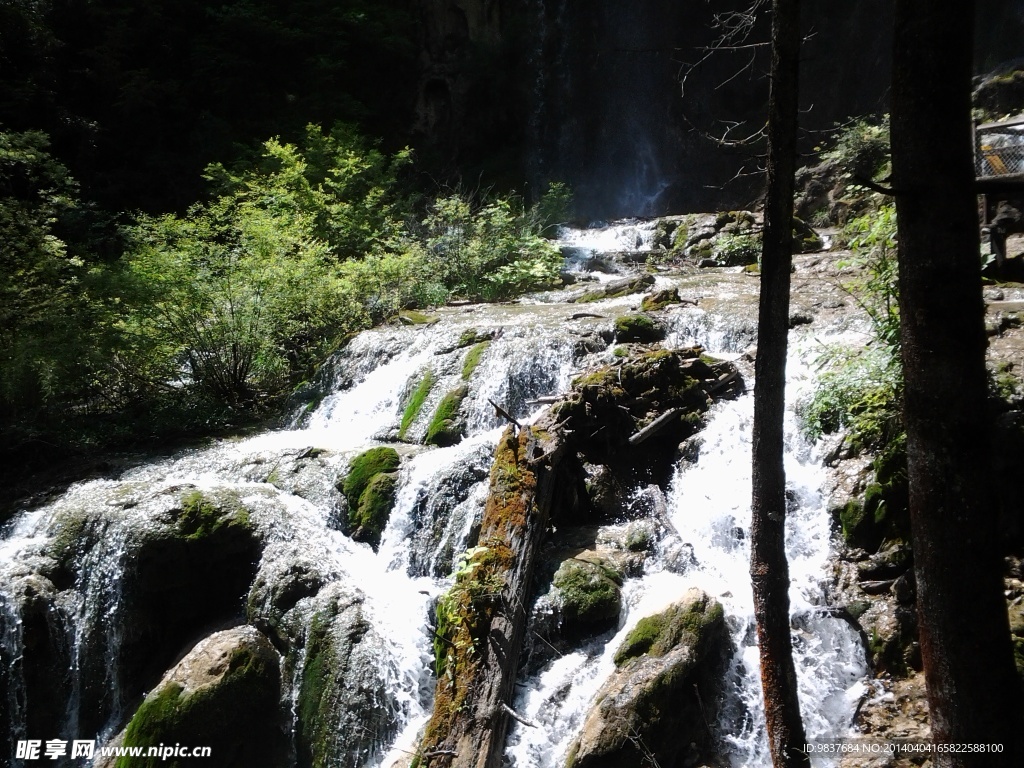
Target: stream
91, 616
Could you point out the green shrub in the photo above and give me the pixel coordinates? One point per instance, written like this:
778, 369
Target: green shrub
736, 250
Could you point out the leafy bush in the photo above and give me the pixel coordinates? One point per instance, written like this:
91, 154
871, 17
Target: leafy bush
861, 147
495, 250
861, 389
734, 250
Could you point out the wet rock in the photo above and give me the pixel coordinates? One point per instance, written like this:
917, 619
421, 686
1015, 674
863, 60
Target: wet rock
656, 703
586, 596
344, 713
369, 488
616, 288
224, 694
660, 300
446, 426
638, 327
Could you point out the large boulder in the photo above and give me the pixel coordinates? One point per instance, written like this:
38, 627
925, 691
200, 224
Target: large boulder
344, 712
224, 694
657, 702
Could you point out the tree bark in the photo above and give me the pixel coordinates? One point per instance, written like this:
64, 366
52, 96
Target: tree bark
769, 569
973, 689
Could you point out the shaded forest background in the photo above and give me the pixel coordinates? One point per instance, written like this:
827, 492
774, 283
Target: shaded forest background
198, 201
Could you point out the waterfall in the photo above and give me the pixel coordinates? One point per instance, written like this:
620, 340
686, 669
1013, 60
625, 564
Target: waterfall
67, 568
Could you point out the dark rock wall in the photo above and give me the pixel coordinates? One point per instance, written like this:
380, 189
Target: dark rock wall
590, 93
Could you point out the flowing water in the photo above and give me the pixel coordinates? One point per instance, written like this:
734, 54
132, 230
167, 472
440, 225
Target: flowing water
287, 479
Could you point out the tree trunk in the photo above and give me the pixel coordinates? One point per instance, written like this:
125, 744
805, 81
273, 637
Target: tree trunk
769, 570
973, 689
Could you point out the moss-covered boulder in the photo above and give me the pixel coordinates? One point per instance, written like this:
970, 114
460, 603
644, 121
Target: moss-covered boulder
446, 428
659, 700
370, 516
588, 593
369, 488
638, 327
224, 694
660, 299
344, 712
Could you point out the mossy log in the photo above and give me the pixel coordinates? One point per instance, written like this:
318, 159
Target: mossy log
482, 620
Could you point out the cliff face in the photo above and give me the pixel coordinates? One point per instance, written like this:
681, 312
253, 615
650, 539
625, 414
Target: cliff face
604, 95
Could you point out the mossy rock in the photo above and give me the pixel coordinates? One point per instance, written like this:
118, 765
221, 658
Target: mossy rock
685, 622
473, 358
589, 595
224, 695
414, 404
201, 516
473, 336
445, 427
369, 517
660, 300
638, 328
805, 239
656, 705
415, 317
344, 710
364, 468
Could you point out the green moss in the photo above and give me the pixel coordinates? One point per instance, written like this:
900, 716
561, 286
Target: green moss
369, 518
639, 328
589, 592
414, 317
415, 403
201, 516
473, 336
473, 358
658, 634
210, 716
660, 300
363, 469
444, 429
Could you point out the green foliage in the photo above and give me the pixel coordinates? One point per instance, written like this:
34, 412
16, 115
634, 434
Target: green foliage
858, 392
734, 250
50, 319
861, 390
861, 147
491, 251
872, 238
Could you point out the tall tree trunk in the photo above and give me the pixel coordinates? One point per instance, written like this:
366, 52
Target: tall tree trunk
973, 690
769, 570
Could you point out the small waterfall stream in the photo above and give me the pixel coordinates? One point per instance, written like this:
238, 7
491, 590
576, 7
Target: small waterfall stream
288, 481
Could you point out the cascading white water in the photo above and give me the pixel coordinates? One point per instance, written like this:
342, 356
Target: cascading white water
709, 506
535, 350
